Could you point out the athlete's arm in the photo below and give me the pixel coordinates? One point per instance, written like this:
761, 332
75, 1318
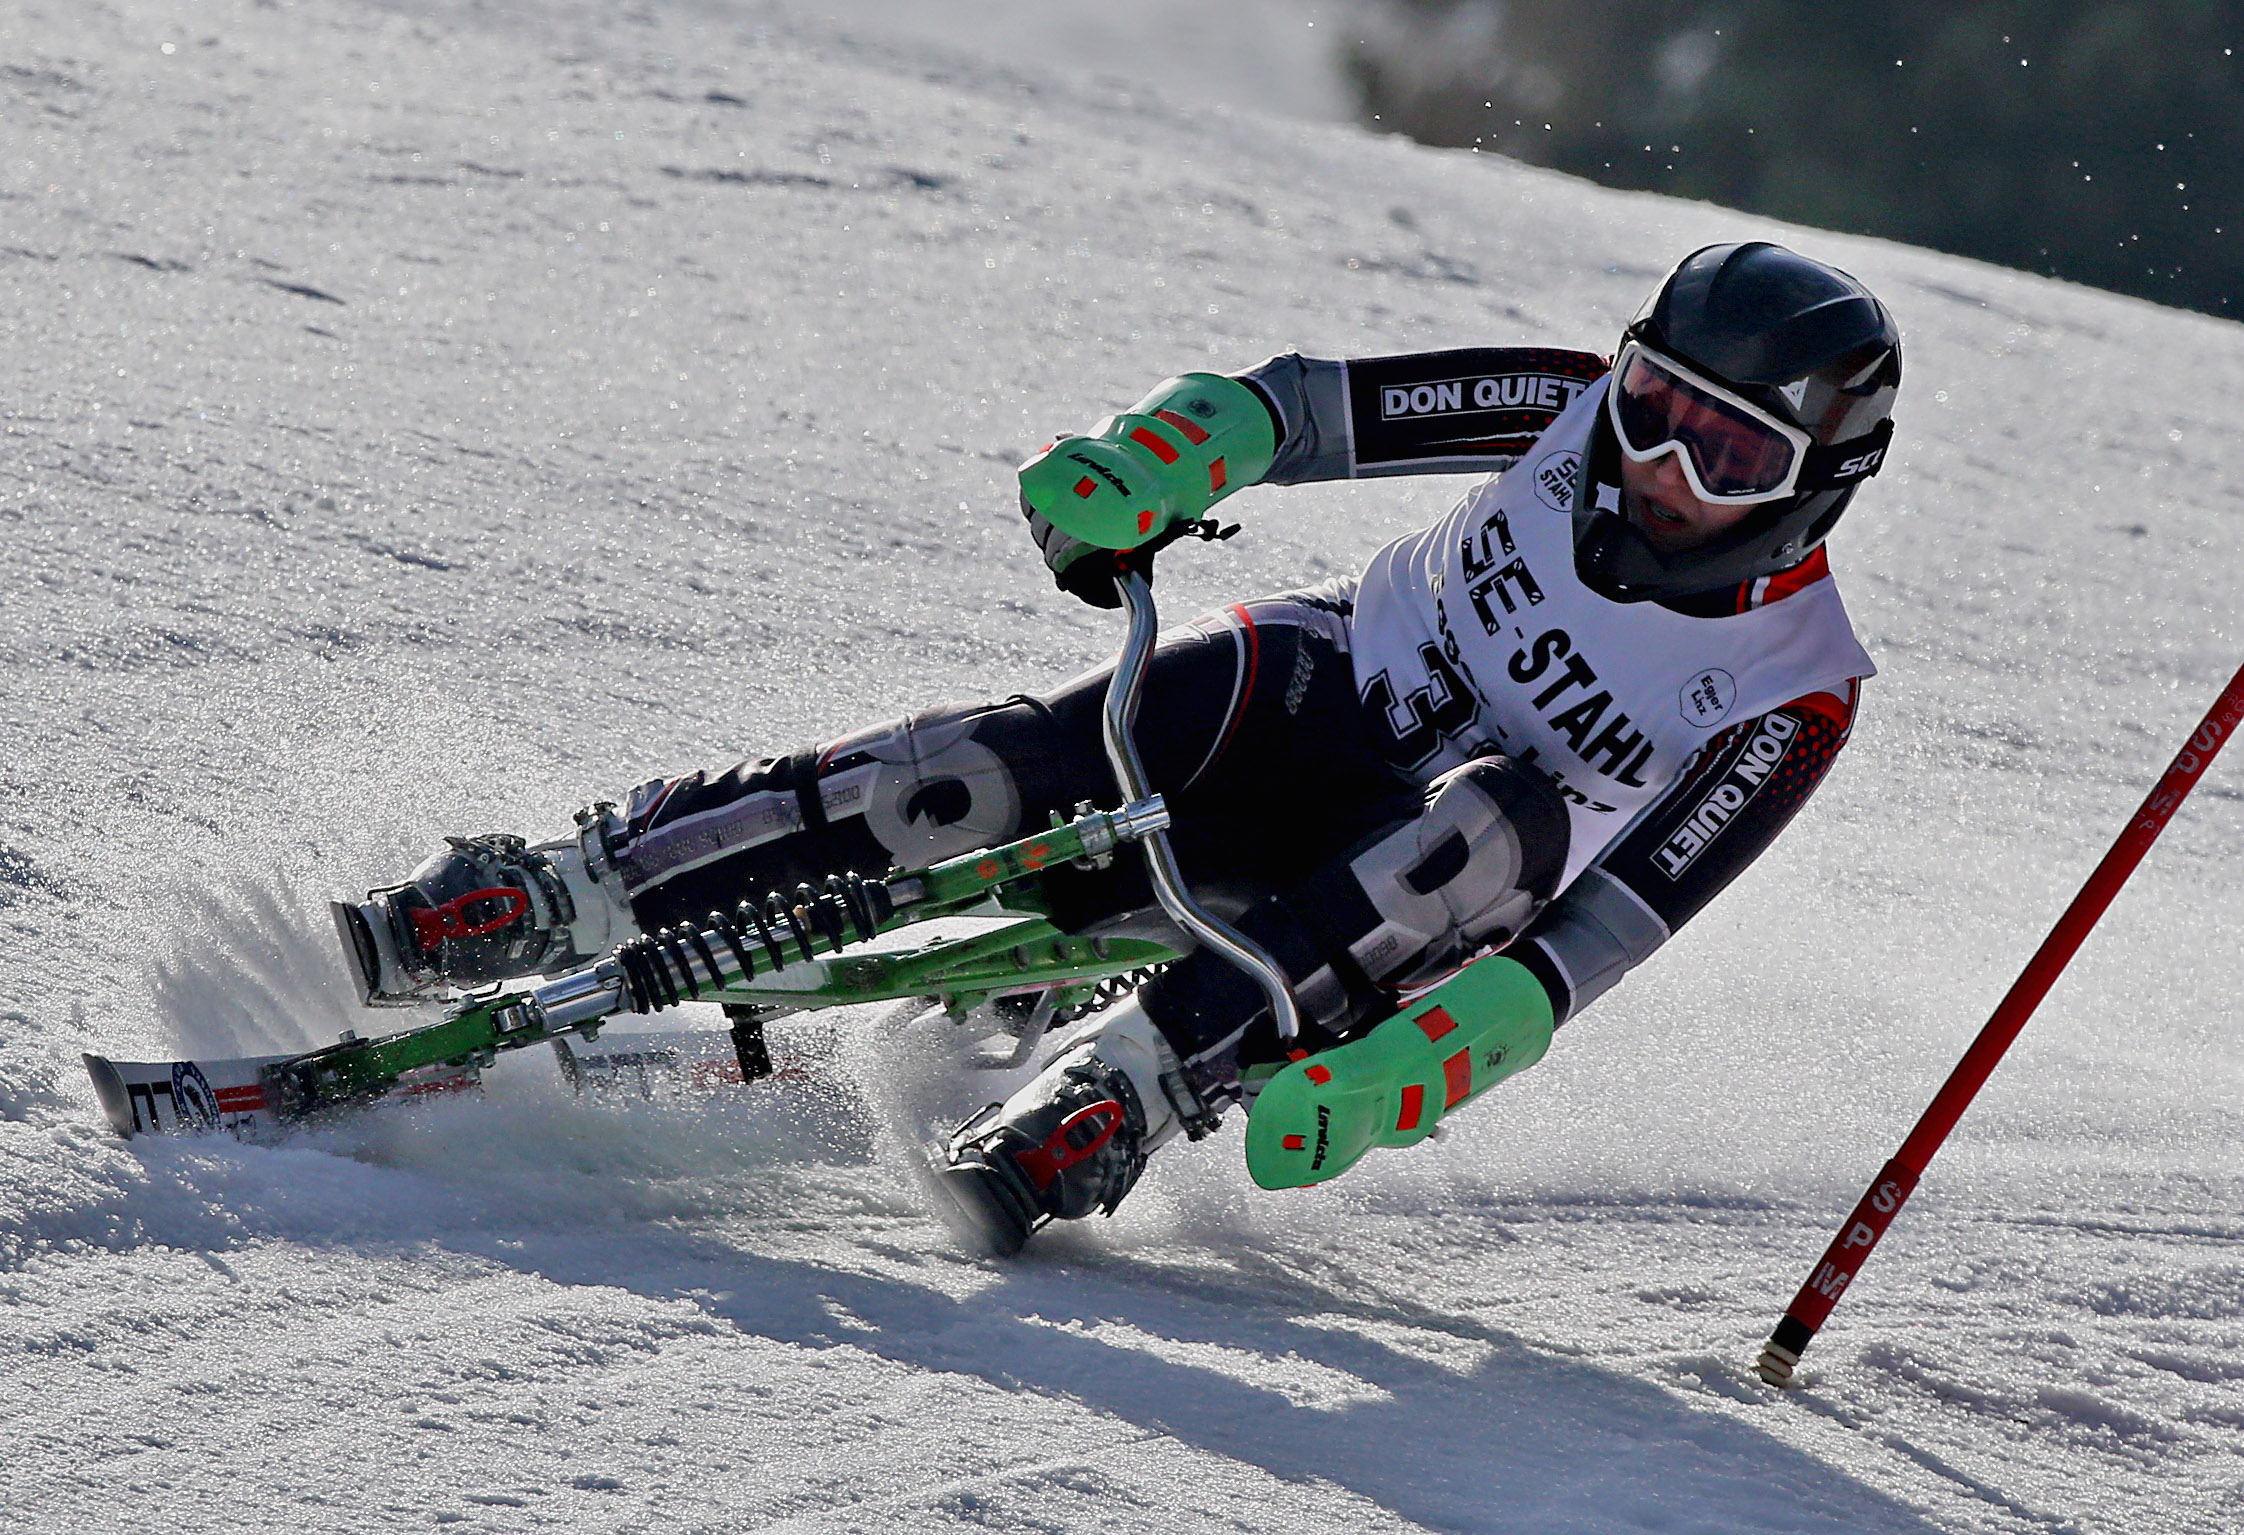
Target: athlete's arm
1199, 437
1473, 410
1729, 805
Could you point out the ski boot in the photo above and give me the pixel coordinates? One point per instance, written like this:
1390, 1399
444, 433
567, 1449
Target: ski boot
1074, 1140
488, 908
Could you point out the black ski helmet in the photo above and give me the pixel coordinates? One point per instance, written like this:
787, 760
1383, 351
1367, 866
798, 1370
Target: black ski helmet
1801, 340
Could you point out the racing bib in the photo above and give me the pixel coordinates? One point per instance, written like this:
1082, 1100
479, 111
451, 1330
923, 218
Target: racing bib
1475, 636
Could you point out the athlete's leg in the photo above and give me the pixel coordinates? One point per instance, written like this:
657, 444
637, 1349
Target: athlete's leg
907, 793
1411, 901
1404, 906
904, 794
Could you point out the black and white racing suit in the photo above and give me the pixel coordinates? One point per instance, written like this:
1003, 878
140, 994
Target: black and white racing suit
1371, 834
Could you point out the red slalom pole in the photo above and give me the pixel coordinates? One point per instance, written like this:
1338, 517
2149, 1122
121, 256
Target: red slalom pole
1848, 1251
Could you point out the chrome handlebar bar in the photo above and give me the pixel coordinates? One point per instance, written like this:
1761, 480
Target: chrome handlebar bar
1122, 696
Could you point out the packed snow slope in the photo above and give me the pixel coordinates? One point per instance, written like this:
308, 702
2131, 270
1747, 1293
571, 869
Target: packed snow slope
1281, 57
427, 418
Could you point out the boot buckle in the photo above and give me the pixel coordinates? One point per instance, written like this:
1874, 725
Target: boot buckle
432, 925
1045, 1163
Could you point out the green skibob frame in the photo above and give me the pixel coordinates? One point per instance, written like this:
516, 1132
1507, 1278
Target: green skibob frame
966, 932
1023, 953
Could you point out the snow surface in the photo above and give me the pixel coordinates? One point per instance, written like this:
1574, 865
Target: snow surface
427, 417
1275, 56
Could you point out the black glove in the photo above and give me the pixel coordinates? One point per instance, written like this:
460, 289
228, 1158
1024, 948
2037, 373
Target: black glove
1087, 571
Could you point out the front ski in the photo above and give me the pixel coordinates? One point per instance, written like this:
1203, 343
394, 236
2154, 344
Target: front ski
255, 1098
246, 1096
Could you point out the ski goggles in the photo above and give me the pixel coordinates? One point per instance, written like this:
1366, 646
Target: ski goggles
1733, 452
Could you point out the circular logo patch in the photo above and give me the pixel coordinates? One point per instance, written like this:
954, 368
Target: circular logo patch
1706, 699
1555, 475
191, 1095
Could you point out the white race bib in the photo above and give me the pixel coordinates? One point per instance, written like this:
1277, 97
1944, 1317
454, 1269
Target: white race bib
1476, 636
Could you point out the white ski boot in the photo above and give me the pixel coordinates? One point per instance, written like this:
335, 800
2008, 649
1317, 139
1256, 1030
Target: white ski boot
488, 908
1075, 1139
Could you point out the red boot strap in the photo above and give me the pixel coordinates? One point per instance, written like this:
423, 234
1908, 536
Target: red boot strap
435, 924
1046, 1162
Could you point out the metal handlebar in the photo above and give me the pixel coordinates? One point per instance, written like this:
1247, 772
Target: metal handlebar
1122, 695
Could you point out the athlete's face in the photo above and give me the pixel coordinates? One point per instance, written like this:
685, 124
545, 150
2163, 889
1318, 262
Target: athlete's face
1658, 502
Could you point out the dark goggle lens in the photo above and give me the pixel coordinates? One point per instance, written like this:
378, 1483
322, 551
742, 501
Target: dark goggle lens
1735, 454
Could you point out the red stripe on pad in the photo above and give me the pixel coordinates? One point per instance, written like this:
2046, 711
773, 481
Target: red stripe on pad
1085, 486
1457, 1074
1413, 1109
1159, 446
1218, 477
1317, 1074
1436, 1022
1296, 1143
1246, 696
1192, 433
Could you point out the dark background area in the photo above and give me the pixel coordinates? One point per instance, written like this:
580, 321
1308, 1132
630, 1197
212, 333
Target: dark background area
2093, 141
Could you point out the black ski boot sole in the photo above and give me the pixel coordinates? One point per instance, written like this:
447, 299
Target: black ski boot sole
358, 949
975, 1201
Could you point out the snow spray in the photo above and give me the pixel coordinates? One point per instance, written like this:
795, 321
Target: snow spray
1844, 1258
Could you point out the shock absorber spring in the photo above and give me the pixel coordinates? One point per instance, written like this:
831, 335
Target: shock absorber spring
678, 963
1105, 994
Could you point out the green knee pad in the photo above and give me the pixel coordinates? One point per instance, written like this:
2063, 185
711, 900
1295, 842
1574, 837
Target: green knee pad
1317, 1116
1168, 458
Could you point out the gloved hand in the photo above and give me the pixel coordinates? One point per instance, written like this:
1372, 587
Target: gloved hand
1104, 503
1088, 571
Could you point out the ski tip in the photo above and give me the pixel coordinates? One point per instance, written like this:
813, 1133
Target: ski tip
167, 1097
109, 1088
